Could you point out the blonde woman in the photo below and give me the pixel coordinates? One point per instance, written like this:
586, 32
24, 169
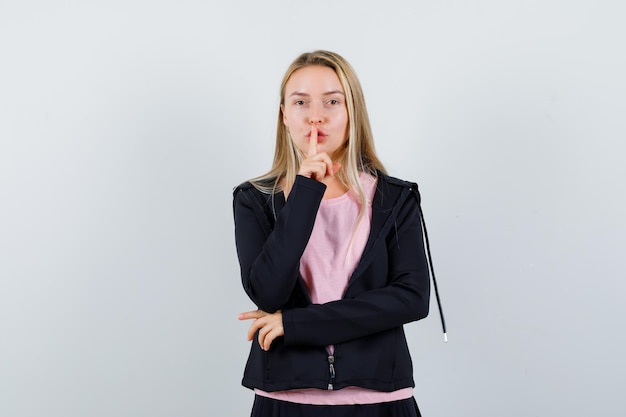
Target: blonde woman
331, 252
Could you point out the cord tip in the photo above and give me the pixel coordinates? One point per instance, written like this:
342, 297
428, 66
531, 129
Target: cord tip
445, 337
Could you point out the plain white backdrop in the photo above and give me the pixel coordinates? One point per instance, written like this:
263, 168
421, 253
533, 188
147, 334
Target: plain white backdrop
124, 127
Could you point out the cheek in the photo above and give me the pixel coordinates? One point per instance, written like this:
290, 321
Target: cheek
300, 146
296, 138
289, 120
344, 117
346, 125
285, 119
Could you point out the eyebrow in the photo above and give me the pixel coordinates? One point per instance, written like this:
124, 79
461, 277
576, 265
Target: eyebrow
328, 93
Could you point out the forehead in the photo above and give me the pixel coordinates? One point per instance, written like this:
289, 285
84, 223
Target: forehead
315, 79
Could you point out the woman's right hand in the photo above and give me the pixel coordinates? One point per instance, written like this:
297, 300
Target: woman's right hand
318, 166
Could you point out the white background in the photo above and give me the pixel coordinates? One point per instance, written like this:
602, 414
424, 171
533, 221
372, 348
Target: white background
125, 125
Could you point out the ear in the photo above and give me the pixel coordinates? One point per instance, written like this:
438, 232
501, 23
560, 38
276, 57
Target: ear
282, 110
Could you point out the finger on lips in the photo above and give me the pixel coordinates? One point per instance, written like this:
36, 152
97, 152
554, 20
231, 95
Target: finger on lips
313, 142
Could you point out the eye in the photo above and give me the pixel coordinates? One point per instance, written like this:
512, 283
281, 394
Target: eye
333, 102
299, 102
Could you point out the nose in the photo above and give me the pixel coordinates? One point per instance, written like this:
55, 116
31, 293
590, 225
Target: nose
316, 114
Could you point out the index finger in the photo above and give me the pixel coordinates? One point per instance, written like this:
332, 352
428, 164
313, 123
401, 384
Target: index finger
313, 142
256, 314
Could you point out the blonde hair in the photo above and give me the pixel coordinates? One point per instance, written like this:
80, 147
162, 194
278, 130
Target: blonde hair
356, 156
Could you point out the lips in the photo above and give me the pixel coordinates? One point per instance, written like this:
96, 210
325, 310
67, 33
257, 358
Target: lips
320, 134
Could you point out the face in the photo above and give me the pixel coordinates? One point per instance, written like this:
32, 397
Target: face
314, 97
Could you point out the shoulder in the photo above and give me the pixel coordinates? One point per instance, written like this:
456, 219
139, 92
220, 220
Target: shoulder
244, 194
247, 195
244, 186
392, 185
252, 187
251, 196
395, 182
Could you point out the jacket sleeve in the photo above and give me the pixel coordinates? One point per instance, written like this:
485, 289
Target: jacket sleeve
405, 298
269, 259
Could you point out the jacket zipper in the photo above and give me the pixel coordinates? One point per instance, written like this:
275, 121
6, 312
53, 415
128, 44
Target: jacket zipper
331, 369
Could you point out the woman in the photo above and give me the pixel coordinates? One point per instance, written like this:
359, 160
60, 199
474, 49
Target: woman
331, 252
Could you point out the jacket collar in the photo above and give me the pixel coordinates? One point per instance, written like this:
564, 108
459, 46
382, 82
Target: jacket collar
388, 198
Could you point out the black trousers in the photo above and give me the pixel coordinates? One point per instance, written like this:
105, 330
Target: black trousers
268, 407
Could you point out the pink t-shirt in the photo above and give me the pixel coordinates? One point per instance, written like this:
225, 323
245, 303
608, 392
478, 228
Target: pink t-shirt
334, 249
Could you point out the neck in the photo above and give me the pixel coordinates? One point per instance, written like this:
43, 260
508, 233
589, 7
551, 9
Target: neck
334, 188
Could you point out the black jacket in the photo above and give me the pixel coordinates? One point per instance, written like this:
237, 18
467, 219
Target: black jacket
390, 287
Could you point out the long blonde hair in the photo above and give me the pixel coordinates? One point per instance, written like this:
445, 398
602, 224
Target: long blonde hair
356, 156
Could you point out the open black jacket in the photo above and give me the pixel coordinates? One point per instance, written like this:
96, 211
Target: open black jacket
390, 287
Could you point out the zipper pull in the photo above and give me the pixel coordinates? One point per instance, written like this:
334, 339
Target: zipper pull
331, 366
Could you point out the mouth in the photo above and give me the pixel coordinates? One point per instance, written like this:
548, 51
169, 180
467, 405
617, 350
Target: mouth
320, 134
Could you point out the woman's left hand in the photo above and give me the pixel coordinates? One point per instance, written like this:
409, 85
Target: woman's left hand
270, 326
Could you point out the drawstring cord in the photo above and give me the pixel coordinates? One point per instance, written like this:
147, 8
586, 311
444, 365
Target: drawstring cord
430, 264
